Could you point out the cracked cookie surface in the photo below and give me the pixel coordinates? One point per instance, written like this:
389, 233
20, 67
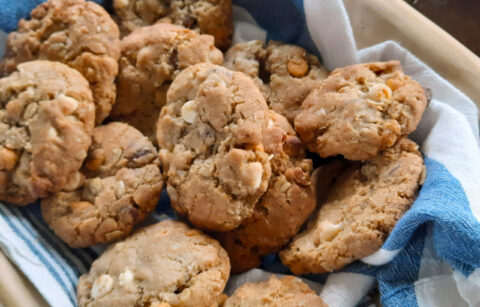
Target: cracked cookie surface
46, 120
78, 33
275, 292
360, 211
285, 73
360, 110
151, 58
211, 134
119, 184
165, 264
285, 206
212, 17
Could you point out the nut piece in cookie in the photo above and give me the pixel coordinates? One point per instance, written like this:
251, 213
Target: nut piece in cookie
151, 58
286, 74
165, 264
286, 291
361, 210
360, 110
210, 133
78, 33
285, 206
46, 121
212, 17
119, 185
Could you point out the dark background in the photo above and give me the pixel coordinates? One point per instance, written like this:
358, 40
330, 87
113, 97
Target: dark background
461, 18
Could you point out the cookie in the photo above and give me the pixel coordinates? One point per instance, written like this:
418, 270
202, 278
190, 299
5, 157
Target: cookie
210, 135
151, 58
119, 184
360, 110
287, 203
361, 210
212, 17
286, 74
46, 121
165, 264
276, 292
78, 33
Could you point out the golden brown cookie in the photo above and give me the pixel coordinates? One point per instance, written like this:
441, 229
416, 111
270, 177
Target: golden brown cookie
361, 210
212, 17
78, 33
286, 74
151, 58
287, 203
210, 135
46, 120
360, 110
276, 292
119, 184
165, 264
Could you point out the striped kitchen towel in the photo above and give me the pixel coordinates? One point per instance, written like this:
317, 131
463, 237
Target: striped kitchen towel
432, 257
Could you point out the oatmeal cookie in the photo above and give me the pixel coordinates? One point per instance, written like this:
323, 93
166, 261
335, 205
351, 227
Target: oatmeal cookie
119, 184
212, 17
287, 203
78, 33
151, 58
210, 133
165, 264
276, 292
286, 74
46, 121
360, 110
361, 210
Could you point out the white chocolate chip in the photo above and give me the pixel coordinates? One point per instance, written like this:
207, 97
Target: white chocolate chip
270, 157
69, 105
321, 112
253, 173
102, 286
328, 230
125, 278
52, 134
119, 189
270, 123
189, 111
121, 3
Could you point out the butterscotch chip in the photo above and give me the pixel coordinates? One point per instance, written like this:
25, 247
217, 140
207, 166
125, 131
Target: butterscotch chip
286, 291
46, 120
212, 17
360, 110
360, 211
287, 203
285, 74
165, 264
118, 186
78, 33
210, 135
151, 58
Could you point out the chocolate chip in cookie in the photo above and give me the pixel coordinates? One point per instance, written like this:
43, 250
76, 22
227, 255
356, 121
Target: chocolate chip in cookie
165, 264
210, 134
119, 184
78, 33
212, 17
360, 110
359, 212
151, 58
285, 206
285, 73
46, 121
285, 291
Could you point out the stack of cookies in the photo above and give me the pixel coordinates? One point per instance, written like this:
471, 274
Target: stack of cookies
99, 112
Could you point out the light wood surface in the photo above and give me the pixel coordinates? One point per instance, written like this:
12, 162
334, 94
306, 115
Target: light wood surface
373, 21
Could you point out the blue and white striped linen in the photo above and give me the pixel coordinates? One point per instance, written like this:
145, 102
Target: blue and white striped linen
432, 257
